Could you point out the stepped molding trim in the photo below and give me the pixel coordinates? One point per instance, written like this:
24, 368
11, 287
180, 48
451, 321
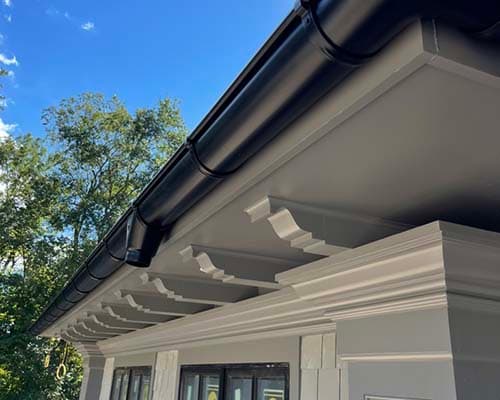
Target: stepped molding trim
157, 304
320, 231
424, 268
125, 313
196, 291
237, 268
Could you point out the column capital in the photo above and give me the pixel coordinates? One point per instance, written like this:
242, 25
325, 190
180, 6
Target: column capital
92, 355
414, 270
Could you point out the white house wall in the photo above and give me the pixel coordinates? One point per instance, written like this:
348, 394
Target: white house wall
399, 355
475, 337
136, 360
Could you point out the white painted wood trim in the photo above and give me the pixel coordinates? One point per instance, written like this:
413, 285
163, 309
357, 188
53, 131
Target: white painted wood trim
236, 267
401, 273
107, 378
391, 357
165, 375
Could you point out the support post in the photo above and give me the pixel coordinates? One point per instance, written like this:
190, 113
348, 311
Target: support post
93, 371
165, 375
107, 378
318, 373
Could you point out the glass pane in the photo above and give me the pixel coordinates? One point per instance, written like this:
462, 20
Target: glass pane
146, 383
271, 388
190, 387
117, 381
124, 387
239, 388
135, 385
210, 387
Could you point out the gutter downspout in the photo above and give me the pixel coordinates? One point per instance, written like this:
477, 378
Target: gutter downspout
319, 44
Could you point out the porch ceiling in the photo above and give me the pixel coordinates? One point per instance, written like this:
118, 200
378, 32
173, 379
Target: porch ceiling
409, 139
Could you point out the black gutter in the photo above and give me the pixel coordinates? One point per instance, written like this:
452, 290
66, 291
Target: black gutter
317, 46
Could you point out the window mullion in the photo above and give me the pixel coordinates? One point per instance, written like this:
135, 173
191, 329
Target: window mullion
129, 386
200, 386
222, 383
141, 377
254, 386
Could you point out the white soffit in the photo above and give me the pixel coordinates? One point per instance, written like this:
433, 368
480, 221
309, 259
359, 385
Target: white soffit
410, 138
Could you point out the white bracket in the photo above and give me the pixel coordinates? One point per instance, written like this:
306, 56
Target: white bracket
197, 291
111, 323
95, 330
77, 334
156, 304
237, 267
320, 231
127, 314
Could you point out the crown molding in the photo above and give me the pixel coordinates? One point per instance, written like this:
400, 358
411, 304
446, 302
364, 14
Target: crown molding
438, 265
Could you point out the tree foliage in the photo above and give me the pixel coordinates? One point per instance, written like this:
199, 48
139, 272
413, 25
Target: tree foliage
58, 196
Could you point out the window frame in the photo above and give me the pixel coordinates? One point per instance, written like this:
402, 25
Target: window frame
257, 370
129, 371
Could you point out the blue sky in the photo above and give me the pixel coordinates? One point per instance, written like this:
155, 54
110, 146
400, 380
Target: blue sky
139, 50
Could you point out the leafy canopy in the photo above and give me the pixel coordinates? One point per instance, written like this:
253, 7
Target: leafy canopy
59, 194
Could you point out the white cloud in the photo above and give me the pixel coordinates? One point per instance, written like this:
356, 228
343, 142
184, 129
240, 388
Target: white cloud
56, 13
52, 11
8, 3
8, 61
8, 17
2, 38
6, 129
88, 26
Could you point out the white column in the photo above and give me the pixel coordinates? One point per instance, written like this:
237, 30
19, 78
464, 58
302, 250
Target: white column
319, 375
165, 375
107, 378
93, 368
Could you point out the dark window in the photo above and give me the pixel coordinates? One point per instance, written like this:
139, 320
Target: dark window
131, 383
234, 382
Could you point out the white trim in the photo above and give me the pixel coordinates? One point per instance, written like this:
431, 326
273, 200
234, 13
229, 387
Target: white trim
406, 272
410, 357
397, 306
123, 349
107, 379
165, 375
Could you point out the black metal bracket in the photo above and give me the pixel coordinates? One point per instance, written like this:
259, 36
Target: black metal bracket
319, 38
191, 146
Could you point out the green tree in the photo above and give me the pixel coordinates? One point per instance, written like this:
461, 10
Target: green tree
3, 73
104, 155
58, 197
